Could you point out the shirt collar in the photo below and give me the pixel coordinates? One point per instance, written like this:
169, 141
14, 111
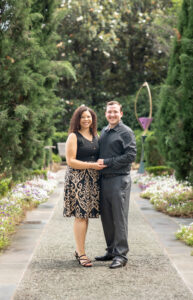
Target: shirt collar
114, 128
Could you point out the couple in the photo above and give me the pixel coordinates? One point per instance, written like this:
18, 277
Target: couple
112, 155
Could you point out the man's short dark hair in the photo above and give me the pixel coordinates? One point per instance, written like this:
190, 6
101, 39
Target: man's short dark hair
114, 102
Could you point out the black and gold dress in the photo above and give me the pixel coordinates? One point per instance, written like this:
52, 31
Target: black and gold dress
81, 187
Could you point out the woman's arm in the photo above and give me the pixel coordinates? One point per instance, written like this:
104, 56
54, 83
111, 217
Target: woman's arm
71, 151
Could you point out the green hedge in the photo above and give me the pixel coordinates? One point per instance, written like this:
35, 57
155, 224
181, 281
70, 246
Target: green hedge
152, 154
159, 170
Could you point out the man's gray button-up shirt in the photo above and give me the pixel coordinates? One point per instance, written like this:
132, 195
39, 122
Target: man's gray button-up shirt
117, 148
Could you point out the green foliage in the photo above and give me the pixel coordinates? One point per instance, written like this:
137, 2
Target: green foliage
40, 173
138, 134
28, 79
185, 234
151, 151
64, 68
174, 119
4, 186
159, 170
56, 158
152, 154
114, 47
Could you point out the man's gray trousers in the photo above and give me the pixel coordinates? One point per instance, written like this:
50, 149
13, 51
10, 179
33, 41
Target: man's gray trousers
115, 194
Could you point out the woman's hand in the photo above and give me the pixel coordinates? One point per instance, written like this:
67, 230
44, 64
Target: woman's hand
97, 166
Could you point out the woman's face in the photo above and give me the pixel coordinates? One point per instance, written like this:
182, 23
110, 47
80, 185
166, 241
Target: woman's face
85, 120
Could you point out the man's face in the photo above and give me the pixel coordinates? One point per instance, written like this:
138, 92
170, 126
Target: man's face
113, 114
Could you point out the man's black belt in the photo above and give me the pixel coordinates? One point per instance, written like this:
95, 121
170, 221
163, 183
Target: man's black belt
109, 175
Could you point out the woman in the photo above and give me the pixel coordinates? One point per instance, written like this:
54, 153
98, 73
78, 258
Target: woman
81, 192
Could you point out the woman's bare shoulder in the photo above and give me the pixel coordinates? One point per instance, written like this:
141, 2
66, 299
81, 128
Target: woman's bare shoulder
72, 137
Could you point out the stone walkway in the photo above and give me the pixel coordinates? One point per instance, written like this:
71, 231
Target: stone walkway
53, 274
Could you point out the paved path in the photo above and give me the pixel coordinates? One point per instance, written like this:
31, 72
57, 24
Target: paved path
53, 273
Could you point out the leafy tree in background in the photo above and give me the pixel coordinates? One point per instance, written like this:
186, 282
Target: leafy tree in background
114, 47
28, 79
174, 119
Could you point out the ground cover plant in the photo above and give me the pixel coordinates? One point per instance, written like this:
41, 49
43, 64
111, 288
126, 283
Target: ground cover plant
22, 197
185, 234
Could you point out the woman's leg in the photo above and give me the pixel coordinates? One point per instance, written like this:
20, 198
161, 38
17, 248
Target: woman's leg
80, 229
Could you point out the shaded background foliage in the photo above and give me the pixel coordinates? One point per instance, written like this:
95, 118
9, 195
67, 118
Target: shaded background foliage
114, 47
56, 55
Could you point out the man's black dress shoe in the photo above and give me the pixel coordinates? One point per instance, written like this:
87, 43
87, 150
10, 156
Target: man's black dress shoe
105, 257
118, 263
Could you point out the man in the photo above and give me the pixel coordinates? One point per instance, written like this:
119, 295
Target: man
117, 152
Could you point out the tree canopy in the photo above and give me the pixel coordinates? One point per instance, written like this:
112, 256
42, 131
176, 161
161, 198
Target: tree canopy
114, 47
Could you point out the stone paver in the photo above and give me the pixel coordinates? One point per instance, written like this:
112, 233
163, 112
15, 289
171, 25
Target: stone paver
53, 273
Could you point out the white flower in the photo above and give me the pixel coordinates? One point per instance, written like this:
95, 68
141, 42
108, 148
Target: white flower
79, 19
106, 53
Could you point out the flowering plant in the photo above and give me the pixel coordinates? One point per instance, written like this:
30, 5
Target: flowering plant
22, 197
167, 194
185, 233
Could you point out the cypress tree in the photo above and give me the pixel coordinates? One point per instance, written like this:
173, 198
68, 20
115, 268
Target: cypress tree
28, 78
174, 119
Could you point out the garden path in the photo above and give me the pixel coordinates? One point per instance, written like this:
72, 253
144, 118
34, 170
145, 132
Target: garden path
53, 273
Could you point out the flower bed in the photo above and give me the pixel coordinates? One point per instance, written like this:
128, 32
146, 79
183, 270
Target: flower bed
185, 234
21, 198
167, 194
171, 197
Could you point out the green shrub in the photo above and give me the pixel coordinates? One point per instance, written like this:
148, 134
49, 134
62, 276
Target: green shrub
159, 170
4, 186
151, 151
56, 158
40, 173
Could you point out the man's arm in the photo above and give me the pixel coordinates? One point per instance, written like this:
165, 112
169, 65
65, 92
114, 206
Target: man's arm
129, 155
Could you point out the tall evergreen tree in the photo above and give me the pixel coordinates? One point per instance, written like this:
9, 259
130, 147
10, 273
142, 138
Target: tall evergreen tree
28, 79
174, 119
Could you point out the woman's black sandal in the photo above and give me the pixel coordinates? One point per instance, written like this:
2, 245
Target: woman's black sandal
76, 255
84, 262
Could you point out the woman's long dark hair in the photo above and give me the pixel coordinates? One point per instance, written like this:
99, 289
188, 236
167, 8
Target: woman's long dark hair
75, 120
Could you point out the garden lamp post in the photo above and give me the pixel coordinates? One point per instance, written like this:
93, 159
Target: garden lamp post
144, 122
